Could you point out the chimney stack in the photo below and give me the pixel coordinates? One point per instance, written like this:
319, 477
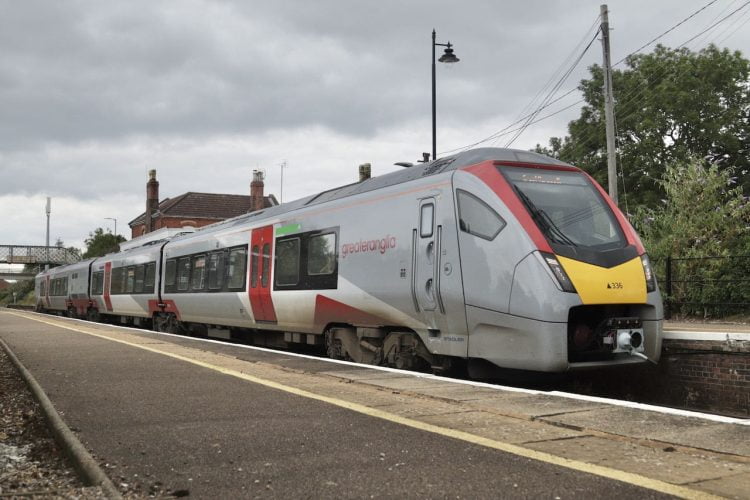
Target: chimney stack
364, 171
257, 200
152, 200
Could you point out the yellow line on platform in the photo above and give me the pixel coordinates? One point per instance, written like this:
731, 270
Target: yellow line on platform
606, 472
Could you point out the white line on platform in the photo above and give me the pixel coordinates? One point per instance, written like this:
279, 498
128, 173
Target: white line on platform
561, 394
716, 336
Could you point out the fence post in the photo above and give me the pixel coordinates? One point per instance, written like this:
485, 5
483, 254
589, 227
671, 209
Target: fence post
668, 280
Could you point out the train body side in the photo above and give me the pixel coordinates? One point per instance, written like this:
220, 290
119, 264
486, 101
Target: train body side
376, 278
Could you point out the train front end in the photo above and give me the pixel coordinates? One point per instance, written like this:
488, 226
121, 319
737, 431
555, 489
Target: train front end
584, 294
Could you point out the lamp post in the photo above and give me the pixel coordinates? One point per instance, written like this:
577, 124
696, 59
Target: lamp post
447, 57
112, 218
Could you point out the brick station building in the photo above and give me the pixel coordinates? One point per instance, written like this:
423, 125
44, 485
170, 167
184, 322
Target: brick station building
196, 209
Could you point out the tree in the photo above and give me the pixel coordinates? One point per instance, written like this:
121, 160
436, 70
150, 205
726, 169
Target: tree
704, 214
100, 243
671, 105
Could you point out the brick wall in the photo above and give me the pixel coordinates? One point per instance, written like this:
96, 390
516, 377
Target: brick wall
707, 374
711, 376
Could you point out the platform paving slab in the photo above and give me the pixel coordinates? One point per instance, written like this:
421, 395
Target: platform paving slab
678, 468
675, 429
509, 430
729, 487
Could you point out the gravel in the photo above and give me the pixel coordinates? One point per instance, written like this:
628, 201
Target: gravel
31, 463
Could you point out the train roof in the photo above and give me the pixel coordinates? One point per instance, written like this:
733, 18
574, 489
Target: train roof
417, 171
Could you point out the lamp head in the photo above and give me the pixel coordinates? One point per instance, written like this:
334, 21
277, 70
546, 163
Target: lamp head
449, 57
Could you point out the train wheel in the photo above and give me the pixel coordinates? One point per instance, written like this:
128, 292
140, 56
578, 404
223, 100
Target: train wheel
93, 315
334, 349
166, 323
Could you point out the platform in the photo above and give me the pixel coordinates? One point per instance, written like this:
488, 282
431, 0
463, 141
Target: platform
217, 419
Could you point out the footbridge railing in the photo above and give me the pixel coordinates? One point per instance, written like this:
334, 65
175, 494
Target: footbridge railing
28, 254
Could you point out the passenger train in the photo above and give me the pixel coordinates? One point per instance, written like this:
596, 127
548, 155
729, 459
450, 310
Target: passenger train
491, 257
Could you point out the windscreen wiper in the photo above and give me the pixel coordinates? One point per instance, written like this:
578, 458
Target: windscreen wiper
544, 220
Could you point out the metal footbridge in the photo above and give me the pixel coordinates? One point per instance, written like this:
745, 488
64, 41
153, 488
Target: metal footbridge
33, 258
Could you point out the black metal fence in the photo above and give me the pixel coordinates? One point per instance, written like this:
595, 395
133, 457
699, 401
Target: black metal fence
706, 287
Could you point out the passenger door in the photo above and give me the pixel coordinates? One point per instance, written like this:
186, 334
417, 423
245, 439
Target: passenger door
261, 262
426, 258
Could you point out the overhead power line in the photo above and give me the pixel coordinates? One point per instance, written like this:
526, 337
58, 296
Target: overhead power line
552, 92
666, 32
502, 131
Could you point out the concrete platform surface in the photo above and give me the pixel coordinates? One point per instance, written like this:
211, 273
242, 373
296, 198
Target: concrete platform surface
222, 420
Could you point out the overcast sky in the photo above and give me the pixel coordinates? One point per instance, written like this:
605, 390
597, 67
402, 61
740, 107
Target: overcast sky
93, 94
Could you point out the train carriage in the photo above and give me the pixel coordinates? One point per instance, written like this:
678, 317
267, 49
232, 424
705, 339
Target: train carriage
124, 284
64, 289
495, 257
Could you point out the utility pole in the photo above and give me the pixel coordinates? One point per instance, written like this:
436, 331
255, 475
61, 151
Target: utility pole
609, 107
48, 209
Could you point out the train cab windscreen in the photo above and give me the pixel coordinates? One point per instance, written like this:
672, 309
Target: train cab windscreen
567, 208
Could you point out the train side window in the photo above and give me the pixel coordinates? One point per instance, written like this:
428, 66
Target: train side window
477, 218
237, 267
170, 275
130, 280
254, 257
426, 220
97, 285
149, 278
140, 271
216, 271
115, 281
266, 270
287, 262
321, 254
42, 288
198, 280
183, 274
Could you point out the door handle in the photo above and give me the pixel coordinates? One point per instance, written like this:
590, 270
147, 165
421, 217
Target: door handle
437, 267
414, 269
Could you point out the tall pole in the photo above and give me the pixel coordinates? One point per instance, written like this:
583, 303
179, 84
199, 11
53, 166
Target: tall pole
115, 221
609, 111
434, 104
281, 190
48, 210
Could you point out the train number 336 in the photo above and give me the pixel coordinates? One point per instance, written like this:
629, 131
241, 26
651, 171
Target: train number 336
614, 284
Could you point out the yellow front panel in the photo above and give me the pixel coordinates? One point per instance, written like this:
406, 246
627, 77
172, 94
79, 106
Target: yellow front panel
623, 284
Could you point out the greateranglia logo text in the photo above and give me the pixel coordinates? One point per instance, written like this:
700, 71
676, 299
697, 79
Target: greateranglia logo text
382, 245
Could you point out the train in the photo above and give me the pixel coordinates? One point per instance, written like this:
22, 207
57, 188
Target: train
492, 257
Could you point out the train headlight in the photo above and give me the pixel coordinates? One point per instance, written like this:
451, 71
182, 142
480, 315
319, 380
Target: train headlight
559, 272
649, 273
